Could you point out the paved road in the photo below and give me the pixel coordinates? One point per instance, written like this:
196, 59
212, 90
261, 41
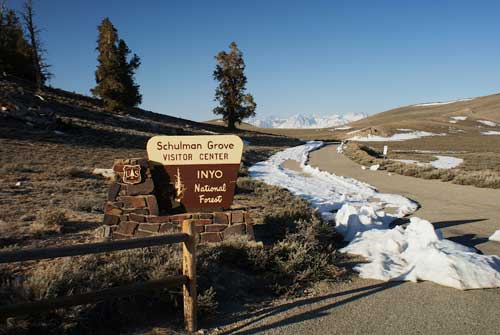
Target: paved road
466, 214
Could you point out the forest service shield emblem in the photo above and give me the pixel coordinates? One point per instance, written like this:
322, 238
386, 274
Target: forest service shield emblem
131, 174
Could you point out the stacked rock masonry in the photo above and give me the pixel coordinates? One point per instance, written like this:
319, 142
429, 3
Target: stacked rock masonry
131, 210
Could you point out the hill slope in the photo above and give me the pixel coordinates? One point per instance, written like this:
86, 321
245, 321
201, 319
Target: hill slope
462, 116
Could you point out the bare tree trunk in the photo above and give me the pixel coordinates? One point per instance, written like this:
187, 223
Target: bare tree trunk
35, 44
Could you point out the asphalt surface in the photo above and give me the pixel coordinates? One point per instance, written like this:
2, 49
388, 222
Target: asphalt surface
465, 214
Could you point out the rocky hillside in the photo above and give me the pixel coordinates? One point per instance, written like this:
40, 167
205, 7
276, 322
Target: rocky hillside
59, 115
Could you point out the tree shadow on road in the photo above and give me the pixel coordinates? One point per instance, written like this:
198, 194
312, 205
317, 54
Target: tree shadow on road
446, 224
355, 294
470, 240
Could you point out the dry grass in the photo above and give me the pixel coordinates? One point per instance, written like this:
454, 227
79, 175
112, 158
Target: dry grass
48, 221
88, 204
299, 252
464, 175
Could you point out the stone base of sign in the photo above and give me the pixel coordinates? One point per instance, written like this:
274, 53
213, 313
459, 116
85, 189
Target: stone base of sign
210, 227
131, 210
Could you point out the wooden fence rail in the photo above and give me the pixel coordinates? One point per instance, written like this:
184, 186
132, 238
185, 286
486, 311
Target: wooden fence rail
187, 279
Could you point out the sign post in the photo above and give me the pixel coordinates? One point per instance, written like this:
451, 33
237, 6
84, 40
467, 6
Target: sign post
202, 170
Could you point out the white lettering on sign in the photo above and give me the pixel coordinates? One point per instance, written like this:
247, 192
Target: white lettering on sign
211, 200
208, 188
209, 174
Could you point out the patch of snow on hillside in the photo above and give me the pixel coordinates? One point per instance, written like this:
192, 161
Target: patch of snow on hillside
305, 121
441, 103
490, 132
446, 162
487, 123
325, 191
495, 236
410, 161
442, 162
416, 253
396, 137
459, 118
343, 128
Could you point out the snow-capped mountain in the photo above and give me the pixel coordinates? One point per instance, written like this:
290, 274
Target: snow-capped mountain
305, 121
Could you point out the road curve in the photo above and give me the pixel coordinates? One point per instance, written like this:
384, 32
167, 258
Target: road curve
466, 214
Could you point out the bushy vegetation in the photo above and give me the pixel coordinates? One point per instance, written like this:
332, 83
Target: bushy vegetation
48, 221
299, 250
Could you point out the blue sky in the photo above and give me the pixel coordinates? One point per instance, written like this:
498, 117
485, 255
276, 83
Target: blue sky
302, 56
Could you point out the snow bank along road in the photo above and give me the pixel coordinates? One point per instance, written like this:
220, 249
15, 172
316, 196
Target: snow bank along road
464, 214
369, 306
417, 252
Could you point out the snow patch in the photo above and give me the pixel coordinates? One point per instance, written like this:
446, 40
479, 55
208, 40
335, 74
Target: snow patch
459, 118
446, 162
106, 173
326, 191
396, 137
416, 253
495, 236
442, 162
487, 123
490, 132
343, 128
441, 103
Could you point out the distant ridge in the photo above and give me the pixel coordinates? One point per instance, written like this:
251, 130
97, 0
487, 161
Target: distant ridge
305, 121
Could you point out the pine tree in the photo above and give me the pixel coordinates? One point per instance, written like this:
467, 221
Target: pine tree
234, 104
115, 73
15, 54
132, 97
39, 65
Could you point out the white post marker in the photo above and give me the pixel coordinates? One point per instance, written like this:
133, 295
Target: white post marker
385, 151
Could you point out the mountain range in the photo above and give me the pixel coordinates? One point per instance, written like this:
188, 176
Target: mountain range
305, 121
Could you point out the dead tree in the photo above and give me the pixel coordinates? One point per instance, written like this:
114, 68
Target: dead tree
41, 73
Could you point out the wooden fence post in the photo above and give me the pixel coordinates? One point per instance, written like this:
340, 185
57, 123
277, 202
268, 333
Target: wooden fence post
189, 270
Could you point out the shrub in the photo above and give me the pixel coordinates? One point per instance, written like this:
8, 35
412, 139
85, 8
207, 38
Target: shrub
487, 178
76, 172
207, 304
48, 220
17, 168
88, 204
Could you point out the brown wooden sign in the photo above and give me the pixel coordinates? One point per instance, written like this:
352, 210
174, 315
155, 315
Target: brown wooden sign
202, 169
